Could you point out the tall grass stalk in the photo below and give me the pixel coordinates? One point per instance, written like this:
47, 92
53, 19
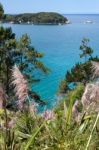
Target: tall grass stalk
31, 140
92, 131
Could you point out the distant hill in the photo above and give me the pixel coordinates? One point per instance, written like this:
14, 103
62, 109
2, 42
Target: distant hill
37, 18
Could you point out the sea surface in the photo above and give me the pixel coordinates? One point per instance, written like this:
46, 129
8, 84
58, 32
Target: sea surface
60, 44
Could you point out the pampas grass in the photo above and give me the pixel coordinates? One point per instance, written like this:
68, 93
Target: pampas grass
75, 111
20, 86
95, 68
75, 108
91, 94
33, 109
48, 115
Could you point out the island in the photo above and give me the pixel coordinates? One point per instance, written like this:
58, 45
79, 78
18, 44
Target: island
42, 18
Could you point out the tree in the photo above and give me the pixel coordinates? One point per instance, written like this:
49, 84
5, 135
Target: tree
29, 58
19, 52
1, 11
86, 50
63, 87
7, 46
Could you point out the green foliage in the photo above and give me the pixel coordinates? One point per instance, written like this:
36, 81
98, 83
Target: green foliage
7, 54
80, 73
33, 132
1, 11
63, 88
86, 50
75, 94
37, 18
32, 138
29, 59
70, 99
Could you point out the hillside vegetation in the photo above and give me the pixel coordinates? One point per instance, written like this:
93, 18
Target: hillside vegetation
37, 18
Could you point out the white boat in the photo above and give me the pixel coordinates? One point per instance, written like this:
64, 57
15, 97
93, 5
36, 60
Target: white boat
68, 22
28, 22
59, 24
20, 21
88, 22
12, 22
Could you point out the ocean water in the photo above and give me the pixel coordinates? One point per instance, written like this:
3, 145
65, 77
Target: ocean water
60, 45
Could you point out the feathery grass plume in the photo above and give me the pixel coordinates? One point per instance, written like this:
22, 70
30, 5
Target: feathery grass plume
95, 68
48, 115
20, 86
75, 112
33, 109
75, 109
2, 97
91, 94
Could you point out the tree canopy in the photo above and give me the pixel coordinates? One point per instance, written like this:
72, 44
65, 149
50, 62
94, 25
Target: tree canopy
86, 49
1, 11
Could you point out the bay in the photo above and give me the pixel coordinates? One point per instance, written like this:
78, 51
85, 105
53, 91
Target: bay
60, 44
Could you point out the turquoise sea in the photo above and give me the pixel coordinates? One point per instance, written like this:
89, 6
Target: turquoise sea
60, 45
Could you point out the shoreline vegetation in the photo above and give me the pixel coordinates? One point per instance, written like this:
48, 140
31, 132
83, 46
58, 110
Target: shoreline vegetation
42, 18
72, 125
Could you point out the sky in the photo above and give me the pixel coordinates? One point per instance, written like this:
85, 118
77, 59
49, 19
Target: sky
60, 6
